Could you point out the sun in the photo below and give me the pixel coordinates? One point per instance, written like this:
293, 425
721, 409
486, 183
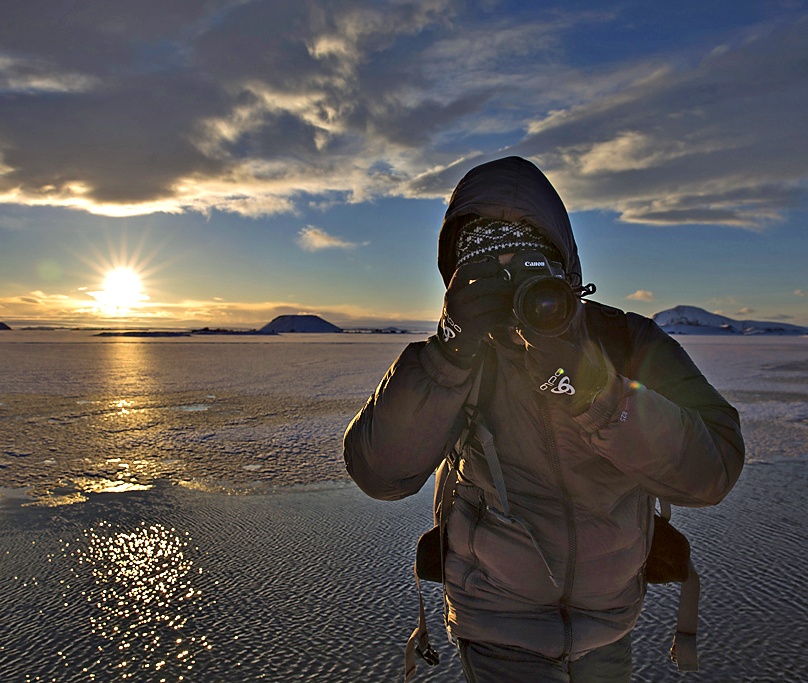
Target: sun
122, 291
122, 286
123, 277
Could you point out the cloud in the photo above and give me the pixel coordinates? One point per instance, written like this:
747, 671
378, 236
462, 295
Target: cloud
746, 311
799, 292
38, 77
187, 114
315, 239
55, 309
641, 295
690, 142
255, 108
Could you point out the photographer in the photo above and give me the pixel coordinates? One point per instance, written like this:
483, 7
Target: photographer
585, 442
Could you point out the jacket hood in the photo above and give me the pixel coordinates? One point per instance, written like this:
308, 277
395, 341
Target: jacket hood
510, 189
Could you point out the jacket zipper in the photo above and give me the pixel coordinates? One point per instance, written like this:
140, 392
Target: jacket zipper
570, 523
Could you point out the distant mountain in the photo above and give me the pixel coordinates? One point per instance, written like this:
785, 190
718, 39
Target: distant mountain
3, 326
298, 323
694, 320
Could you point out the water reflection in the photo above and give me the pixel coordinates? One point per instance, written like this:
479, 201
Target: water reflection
144, 595
126, 368
123, 406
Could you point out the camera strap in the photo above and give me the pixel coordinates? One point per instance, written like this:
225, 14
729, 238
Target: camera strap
684, 652
418, 643
487, 441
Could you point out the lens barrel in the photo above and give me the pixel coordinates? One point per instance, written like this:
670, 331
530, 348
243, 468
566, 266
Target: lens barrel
543, 300
545, 305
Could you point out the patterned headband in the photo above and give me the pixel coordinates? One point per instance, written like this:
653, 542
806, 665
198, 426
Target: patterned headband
486, 236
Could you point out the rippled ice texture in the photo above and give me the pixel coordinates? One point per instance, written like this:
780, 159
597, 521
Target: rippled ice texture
180, 581
172, 584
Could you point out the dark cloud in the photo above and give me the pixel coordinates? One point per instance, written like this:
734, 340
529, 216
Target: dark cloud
121, 103
412, 125
103, 36
251, 106
128, 143
721, 141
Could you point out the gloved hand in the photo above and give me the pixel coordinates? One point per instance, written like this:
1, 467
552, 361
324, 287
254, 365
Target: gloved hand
477, 299
571, 372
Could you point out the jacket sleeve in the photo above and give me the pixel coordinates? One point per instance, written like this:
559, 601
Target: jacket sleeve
408, 425
666, 426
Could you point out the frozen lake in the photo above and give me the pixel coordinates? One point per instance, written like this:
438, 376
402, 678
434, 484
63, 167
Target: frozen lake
80, 414
229, 544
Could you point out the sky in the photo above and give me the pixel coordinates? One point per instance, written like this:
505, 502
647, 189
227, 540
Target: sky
217, 163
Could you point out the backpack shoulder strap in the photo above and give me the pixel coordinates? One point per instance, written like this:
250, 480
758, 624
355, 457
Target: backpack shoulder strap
610, 327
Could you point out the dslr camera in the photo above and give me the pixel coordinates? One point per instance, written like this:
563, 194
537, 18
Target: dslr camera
543, 301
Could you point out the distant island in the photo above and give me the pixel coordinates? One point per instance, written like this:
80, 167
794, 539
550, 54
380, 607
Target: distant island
694, 320
677, 320
298, 323
145, 333
220, 330
376, 330
281, 324
3, 326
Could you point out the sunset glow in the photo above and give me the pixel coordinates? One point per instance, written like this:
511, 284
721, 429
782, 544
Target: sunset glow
307, 169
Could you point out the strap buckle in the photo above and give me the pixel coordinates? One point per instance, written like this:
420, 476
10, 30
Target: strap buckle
430, 656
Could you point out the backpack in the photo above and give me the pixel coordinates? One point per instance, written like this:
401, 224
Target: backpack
669, 556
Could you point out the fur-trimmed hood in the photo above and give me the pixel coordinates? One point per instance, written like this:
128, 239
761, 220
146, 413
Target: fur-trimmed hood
510, 189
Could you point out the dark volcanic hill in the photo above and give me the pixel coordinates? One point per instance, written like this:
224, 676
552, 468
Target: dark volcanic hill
298, 323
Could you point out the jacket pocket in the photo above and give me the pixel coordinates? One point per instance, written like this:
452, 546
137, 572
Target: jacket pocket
462, 531
479, 514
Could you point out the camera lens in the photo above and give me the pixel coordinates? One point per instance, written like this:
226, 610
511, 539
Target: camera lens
547, 306
544, 305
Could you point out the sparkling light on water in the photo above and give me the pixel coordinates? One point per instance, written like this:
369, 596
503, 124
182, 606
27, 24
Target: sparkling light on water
144, 594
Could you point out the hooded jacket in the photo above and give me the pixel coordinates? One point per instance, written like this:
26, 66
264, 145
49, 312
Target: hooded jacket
585, 486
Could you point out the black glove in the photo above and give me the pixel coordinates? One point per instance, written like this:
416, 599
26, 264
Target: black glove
573, 373
477, 300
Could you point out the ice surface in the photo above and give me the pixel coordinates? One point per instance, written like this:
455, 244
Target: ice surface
210, 413
226, 414
318, 586
314, 582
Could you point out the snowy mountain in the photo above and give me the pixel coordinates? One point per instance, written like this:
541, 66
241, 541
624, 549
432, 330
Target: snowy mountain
693, 320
